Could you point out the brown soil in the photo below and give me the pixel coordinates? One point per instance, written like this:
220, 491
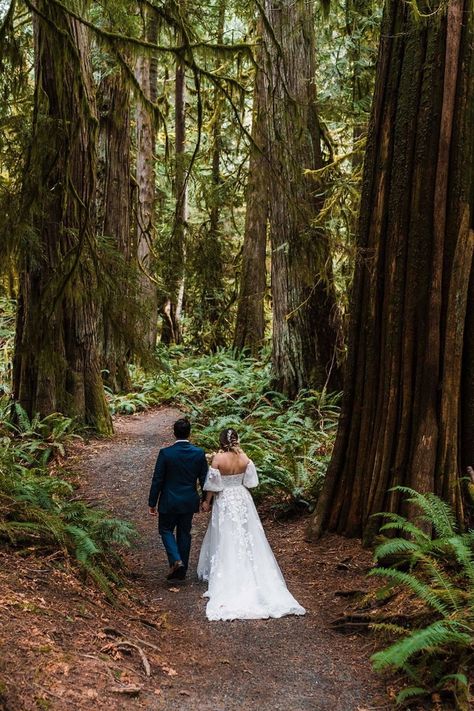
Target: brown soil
64, 647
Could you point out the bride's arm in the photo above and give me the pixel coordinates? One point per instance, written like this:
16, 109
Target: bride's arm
212, 485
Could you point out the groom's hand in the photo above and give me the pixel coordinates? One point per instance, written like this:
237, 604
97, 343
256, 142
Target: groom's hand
152, 510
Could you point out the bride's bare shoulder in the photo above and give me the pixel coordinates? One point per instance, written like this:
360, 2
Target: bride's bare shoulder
216, 459
245, 458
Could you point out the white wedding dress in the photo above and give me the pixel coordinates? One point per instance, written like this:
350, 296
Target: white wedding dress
244, 579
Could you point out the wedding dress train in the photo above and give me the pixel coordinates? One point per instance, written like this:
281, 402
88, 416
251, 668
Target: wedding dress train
244, 579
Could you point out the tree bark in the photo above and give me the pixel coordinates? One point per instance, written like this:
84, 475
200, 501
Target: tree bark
56, 364
146, 193
400, 420
306, 328
250, 322
213, 287
171, 330
115, 201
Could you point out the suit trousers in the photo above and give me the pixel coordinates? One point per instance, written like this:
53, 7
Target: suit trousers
177, 546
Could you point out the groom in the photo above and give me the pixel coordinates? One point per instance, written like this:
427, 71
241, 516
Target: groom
177, 470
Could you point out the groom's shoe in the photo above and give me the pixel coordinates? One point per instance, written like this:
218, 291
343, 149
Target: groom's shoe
177, 572
180, 573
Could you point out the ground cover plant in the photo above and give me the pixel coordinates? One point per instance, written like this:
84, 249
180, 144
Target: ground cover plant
39, 511
434, 562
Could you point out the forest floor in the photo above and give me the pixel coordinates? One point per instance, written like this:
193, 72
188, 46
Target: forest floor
64, 647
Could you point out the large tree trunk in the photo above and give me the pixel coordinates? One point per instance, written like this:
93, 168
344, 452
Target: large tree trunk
115, 222
56, 361
175, 272
213, 287
306, 330
400, 420
146, 193
250, 323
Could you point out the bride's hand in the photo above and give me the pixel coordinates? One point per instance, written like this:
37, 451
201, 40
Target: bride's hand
205, 507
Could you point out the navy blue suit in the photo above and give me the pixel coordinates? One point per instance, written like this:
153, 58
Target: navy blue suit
177, 471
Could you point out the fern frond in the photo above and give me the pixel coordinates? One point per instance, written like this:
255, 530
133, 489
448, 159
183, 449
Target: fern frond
445, 586
395, 546
410, 693
463, 549
425, 592
436, 511
389, 627
438, 634
400, 523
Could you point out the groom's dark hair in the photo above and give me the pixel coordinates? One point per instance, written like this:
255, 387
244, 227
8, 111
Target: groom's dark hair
182, 428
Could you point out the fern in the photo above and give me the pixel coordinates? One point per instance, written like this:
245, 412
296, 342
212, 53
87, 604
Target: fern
441, 575
411, 692
37, 510
436, 636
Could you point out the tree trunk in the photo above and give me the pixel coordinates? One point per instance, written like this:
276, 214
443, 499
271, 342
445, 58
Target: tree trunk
171, 330
56, 366
146, 194
250, 323
213, 287
306, 329
115, 200
400, 419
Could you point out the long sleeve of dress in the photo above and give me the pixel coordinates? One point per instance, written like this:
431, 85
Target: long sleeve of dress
213, 480
250, 479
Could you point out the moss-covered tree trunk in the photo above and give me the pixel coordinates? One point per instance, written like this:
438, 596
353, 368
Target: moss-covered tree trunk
407, 382
175, 269
115, 202
306, 331
250, 322
213, 287
146, 191
56, 364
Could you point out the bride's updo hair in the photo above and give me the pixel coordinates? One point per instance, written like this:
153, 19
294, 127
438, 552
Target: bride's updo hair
229, 440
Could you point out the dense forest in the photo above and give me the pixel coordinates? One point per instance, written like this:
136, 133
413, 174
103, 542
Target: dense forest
262, 213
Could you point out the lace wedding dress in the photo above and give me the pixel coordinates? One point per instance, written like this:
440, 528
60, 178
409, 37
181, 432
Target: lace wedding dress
244, 579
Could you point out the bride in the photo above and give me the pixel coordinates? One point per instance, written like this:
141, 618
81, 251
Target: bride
244, 580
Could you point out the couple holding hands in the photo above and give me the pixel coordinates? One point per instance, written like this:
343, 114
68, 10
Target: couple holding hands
243, 576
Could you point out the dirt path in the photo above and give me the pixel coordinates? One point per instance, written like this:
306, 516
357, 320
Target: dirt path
290, 664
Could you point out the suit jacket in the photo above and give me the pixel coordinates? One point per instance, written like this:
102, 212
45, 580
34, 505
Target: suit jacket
177, 471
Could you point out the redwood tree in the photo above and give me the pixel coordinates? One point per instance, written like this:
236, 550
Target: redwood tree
250, 322
306, 330
56, 365
115, 201
409, 392
171, 330
146, 74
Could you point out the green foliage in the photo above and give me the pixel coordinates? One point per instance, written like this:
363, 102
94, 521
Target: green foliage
439, 573
38, 510
289, 441
7, 338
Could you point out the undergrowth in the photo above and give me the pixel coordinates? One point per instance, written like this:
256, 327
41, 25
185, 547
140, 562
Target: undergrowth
289, 441
437, 656
38, 509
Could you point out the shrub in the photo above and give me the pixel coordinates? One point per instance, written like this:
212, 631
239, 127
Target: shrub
437, 656
38, 510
